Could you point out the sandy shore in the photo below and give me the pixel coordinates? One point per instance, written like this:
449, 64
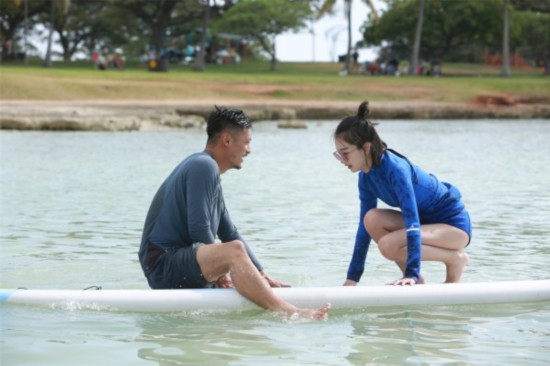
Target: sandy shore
138, 115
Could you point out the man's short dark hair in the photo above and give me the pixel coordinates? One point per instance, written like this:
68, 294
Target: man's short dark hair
223, 118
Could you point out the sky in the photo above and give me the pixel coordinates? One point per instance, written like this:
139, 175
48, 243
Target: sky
330, 37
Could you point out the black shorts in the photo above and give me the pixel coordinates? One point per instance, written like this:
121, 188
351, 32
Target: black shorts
178, 268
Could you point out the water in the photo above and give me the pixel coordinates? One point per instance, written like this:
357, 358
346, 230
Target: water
73, 205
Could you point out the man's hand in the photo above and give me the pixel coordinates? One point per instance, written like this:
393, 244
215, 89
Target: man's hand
403, 282
225, 282
271, 281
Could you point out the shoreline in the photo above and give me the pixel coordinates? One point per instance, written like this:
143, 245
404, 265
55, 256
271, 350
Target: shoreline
146, 115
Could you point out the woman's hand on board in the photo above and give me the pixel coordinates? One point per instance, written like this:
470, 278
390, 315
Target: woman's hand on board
403, 282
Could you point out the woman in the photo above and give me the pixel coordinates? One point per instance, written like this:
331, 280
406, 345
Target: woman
432, 223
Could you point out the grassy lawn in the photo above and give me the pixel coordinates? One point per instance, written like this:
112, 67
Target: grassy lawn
253, 81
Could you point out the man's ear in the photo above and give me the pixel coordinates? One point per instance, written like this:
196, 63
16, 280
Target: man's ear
226, 138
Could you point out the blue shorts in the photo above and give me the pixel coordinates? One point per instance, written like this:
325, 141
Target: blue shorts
177, 268
460, 221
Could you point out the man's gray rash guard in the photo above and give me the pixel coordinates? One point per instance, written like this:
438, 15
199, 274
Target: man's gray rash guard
421, 198
189, 208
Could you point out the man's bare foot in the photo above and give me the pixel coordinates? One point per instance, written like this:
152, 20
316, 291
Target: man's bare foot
456, 268
421, 280
315, 314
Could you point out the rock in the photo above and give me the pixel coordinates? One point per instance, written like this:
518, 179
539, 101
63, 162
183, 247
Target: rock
291, 124
134, 116
187, 121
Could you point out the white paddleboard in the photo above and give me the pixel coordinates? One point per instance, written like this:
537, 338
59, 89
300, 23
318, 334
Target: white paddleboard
230, 300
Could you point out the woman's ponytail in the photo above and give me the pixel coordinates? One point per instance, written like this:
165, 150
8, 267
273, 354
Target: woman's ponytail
363, 111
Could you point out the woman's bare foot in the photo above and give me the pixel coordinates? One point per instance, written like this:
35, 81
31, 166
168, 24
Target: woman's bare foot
456, 268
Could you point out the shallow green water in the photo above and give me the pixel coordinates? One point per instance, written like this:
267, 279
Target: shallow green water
73, 204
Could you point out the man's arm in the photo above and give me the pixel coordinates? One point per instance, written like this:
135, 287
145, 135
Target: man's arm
200, 184
228, 232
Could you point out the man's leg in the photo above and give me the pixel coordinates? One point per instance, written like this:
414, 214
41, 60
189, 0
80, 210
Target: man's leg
218, 259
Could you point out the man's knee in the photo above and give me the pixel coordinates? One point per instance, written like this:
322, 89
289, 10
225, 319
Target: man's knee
236, 250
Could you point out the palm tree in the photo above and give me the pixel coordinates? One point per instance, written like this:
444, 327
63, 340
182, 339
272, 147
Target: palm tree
199, 60
505, 41
48, 58
26, 32
328, 6
54, 4
417, 38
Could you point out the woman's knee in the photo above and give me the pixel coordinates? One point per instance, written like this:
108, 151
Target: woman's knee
372, 220
388, 251
379, 222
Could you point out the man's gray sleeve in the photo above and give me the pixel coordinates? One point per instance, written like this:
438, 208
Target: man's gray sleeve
200, 184
227, 232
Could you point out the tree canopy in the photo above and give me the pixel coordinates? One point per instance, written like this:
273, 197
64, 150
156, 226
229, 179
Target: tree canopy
459, 30
263, 20
449, 30
448, 26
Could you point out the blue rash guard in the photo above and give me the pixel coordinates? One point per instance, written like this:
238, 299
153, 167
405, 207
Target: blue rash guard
189, 208
421, 197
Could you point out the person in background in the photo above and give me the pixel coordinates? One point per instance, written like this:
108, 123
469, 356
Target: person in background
432, 223
178, 248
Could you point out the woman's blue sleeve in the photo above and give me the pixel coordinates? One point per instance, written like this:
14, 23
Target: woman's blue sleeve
402, 182
362, 238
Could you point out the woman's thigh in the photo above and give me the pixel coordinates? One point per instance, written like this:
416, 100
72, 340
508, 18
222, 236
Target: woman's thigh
389, 224
444, 236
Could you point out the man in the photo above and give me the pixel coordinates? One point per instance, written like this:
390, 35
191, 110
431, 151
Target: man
178, 248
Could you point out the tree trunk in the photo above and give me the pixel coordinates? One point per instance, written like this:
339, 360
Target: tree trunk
417, 38
26, 33
505, 41
199, 60
67, 54
156, 39
269, 49
48, 59
348, 17
274, 56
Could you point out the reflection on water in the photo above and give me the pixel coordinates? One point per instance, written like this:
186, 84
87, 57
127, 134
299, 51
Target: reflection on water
227, 340
394, 337
72, 206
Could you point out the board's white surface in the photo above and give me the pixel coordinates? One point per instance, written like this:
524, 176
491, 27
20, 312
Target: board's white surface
339, 297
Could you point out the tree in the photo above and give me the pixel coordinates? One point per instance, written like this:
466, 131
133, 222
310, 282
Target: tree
535, 33
263, 20
534, 16
199, 60
417, 38
505, 40
538, 6
162, 17
12, 18
449, 27
328, 7
57, 8
82, 21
